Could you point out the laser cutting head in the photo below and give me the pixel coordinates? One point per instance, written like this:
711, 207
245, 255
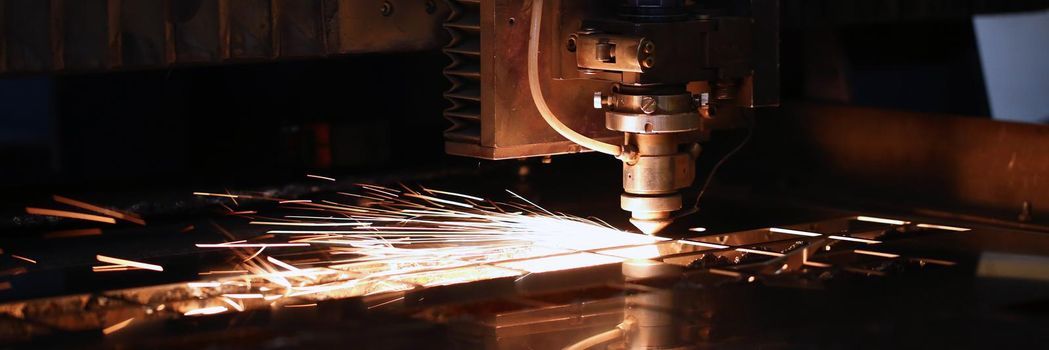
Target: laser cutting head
639, 57
659, 125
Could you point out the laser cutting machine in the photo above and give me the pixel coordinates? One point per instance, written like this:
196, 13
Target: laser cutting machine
634, 60
639, 80
871, 195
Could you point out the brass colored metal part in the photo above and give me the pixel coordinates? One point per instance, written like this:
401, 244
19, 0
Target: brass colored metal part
650, 214
657, 125
622, 53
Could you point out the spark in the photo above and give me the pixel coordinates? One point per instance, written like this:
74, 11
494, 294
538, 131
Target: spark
104, 211
19, 257
70, 215
438, 200
309, 223
206, 311
206, 194
725, 272
388, 302
321, 177
401, 239
794, 232
854, 239
252, 245
129, 263
235, 304
935, 261
116, 327
300, 305
454, 194
943, 227
873, 253
757, 251
257, 252
882, 220
223, 272
113, 268
529, 202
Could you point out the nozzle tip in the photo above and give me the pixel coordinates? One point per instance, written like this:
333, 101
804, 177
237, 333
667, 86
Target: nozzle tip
650, 227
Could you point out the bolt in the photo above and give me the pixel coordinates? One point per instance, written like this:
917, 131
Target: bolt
1025, 212
648, 104
648, 47
387, 9
648, 62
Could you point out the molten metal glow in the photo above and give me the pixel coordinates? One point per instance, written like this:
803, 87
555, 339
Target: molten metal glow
118, 326
128, 263
69, 214
882, 220
388, 240
206, 311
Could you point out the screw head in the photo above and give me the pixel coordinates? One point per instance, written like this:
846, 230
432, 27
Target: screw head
648, 104
386, 9
648, 62
648, 47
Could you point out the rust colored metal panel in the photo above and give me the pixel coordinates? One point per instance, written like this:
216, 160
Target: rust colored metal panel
299, 28
509, 125
85, 34
937, 161
28, 33
408, 25
250, 29
143, 33
3, 36
197, 35
114, 44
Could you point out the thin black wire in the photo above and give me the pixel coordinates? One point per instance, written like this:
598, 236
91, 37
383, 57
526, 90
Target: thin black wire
713, 171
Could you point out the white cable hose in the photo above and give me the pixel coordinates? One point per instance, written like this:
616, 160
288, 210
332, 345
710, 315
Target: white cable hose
540, 101
609, 335
596, 339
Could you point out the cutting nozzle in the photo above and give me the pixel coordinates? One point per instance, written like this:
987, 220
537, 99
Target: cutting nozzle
651, 214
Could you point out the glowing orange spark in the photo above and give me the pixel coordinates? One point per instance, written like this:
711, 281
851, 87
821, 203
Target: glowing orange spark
104, 211
320, 177
116, 327
131, 263
70, 215
206, 311
19, 257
